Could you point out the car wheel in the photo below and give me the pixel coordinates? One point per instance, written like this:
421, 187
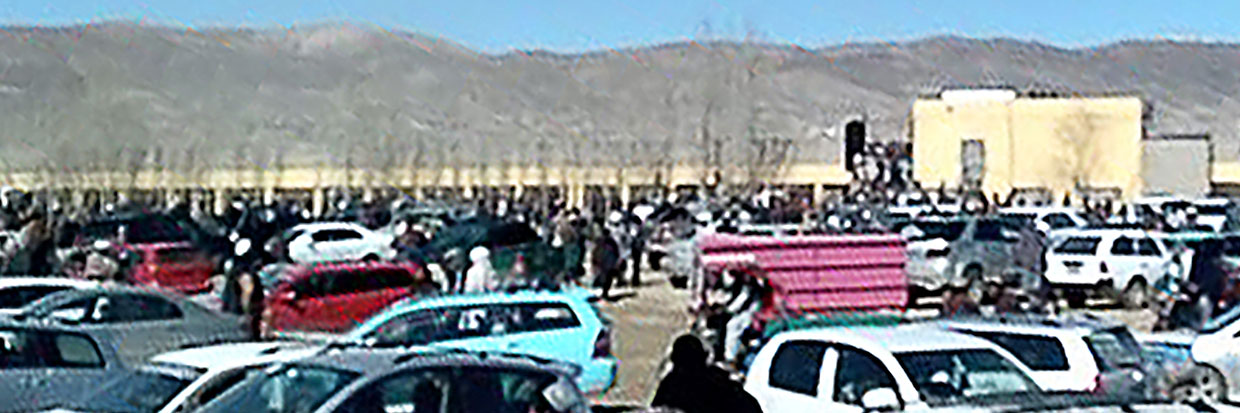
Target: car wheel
1136, 295
370, 257
1204, 385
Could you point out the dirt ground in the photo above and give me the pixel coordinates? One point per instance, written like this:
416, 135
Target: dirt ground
646, 319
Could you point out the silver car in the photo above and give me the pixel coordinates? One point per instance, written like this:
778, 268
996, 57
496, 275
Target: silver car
138, 323
40, 365
975, 251
358, 379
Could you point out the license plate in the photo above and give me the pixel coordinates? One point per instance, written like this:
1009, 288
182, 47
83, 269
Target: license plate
1074, 270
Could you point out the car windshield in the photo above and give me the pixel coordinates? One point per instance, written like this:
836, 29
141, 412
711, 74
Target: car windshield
953, 376
146, 391
1114, 348
1222, 320
281, 389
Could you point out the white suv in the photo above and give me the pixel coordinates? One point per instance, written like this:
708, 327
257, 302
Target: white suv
337, 241
910, 367
1118, 263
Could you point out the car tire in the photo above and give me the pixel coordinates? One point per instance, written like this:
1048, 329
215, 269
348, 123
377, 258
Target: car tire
1203, 385
1136, 295
370, 257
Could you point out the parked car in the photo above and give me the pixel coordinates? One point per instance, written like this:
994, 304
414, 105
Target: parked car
333, 298
176, 266
1073, 354
560, 326
17, 292
1047, 219
137, 322
40, 365
182, 380
1114, 263
392, 380
1209, 359
337, 241
907, 367
979, 250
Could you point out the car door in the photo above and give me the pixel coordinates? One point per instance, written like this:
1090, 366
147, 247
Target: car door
1154, 261
479, 327
795, 380
856, 372
375, 289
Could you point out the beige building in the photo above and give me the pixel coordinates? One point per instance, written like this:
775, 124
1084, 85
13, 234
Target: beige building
1006, 141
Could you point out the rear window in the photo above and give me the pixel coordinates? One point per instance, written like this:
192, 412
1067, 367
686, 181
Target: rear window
1037, 352
1079, 246
1211, 209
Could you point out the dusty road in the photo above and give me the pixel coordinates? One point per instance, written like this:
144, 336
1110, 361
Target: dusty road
647, 319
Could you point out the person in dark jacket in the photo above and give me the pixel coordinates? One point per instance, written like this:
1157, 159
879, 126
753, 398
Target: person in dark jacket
605, 261
693, 386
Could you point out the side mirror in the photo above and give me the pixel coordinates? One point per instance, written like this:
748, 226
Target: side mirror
880, 400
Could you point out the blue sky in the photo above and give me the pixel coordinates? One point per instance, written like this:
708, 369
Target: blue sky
575, 25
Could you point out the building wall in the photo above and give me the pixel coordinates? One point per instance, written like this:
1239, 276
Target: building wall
1032, 143
1177, 167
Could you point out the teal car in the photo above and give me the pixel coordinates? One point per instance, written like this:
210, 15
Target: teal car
555, 325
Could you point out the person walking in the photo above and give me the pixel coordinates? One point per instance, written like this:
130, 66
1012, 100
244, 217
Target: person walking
604, 261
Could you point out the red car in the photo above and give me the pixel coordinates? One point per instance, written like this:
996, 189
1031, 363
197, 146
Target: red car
332, 298
177, 266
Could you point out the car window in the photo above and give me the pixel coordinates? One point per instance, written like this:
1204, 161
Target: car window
1114, 349
130, 308
322, 236
797, 366
858, 372
281, 389
36, 349
988, 231
416, 328
533, 317
391, 278
949, 231
213, 389
1123, 246
455, 389
1036, 352
945, 377
345, 282
337, 235
1079, 246
17, 297
144, 390
1147, 247
1059, 220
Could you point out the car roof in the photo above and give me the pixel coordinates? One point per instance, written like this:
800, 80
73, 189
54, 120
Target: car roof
10, 282
377, 361
317, 226
518, 296
1032, 324
207, 357
1105, 232
904, 338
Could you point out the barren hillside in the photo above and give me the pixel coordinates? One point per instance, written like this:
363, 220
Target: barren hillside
110, 96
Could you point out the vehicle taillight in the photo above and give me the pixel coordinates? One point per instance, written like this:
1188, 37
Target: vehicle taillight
602, 344
1103, 267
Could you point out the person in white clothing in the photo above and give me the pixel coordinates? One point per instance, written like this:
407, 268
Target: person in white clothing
745, 301
481, 276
